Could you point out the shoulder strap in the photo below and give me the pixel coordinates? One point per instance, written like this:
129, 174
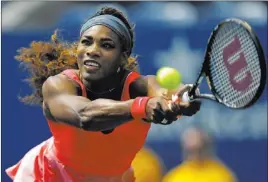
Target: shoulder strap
72, 75
132, 76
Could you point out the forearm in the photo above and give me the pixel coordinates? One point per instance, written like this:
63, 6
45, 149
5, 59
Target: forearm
97, 115
104, 114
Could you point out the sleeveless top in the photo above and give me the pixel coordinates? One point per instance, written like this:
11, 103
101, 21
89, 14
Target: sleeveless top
94, 152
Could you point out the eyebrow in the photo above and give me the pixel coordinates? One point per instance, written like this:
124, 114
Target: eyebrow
102, 39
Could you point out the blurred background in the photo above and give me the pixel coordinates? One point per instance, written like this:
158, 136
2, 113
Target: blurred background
166, 34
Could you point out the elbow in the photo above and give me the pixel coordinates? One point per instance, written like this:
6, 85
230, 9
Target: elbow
84, 119
85, 122
89, 123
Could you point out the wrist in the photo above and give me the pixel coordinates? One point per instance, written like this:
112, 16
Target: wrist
138, 108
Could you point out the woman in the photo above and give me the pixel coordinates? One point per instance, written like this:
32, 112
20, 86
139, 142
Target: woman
98, 108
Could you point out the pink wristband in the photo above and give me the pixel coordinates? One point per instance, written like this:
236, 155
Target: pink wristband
138, 108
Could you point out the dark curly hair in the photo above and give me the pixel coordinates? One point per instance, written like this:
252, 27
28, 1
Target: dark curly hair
44, 59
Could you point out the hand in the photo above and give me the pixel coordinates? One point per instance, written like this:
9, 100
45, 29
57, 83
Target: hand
185, 108
157, 110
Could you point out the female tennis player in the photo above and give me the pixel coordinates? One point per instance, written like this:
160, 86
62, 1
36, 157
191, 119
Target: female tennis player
98, 108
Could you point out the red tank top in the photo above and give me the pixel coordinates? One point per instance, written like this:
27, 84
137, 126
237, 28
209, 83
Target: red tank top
94, 152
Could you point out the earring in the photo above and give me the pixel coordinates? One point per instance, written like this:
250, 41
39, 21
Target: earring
118, 69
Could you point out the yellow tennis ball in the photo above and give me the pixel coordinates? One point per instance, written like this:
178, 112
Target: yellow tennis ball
168, 78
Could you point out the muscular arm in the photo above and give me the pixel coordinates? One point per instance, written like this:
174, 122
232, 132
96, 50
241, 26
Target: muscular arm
60, 98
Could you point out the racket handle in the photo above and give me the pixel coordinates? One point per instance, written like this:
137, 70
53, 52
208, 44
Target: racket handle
191, 95
185, 97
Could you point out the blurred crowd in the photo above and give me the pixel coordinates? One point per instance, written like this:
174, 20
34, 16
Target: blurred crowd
200, 162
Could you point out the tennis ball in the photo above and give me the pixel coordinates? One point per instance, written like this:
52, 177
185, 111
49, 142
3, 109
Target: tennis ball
168, 78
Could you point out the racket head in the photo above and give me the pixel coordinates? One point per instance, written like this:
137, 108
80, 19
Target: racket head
234, 64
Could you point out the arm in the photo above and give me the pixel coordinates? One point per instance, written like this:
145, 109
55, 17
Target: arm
60, 98
153, 89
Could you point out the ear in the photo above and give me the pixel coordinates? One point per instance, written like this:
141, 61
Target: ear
124, 59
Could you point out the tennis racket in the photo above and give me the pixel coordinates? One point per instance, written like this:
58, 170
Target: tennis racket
234, 66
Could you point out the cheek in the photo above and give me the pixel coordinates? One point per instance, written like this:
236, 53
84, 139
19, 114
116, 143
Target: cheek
80, 55
114, 59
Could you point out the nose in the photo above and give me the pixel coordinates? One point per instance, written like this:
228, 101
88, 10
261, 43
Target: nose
93, 51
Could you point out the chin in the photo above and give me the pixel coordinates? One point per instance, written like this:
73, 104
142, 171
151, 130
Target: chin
95, 76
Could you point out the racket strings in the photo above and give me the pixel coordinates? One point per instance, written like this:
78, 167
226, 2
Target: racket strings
219, 72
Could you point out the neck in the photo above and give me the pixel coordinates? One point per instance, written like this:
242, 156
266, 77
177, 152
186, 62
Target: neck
104, 85
200, 158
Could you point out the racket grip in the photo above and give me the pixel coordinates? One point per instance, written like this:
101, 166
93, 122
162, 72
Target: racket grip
185, 97
190, 95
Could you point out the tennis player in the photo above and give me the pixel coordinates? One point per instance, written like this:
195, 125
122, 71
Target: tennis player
98, 108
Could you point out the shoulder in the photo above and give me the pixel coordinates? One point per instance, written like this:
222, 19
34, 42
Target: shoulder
146, 85
174, 173
59, 83
138, 87
223, 170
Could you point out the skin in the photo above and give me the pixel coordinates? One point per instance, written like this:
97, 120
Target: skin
197, 145
62, 102
101, 44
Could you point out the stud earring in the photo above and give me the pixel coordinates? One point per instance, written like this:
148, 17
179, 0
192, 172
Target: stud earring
118, 69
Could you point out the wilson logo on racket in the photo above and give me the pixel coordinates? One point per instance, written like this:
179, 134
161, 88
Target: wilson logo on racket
232, 46
236, 66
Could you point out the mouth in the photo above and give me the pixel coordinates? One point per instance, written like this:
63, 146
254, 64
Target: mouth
92, 65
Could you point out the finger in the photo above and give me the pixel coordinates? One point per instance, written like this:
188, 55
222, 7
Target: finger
197, 106
175, 107
183, 89
183, 109
184, 104
149, 118
171, 117
188, 111
189, 108
155, 118
164, 106
158, 116
146, 120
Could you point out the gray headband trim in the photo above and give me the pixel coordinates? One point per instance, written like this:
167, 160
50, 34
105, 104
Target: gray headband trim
111, 22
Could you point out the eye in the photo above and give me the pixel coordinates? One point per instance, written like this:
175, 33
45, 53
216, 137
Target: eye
107, 45
86, 42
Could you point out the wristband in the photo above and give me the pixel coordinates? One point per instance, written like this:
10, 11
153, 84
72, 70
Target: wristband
138, 108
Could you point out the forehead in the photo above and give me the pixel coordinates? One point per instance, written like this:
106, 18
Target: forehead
101, 31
